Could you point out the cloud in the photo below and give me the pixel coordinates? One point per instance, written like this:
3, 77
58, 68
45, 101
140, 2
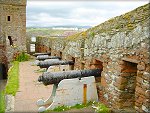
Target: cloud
87, 13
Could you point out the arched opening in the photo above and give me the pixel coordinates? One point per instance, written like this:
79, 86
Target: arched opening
10, 40
97, 64
32, 48
127, 83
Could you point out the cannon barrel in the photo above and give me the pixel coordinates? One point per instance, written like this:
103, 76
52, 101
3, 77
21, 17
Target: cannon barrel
36, 54
44, 57
52, 62
55, 77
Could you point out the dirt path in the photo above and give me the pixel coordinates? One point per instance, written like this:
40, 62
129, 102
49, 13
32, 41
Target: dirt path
30, 90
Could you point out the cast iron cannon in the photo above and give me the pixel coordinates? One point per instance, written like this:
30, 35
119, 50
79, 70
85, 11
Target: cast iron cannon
55, 77
36, 54
44, 57
79, 85
52, 62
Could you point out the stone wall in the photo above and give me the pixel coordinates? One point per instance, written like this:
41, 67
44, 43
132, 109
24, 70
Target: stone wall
120, 48
12, 28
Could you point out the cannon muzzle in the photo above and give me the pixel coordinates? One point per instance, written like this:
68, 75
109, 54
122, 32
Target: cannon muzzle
55, 77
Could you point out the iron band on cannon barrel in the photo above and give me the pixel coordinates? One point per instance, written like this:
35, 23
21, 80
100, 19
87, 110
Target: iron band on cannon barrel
52, 62
44, 57
55, 77
37, 54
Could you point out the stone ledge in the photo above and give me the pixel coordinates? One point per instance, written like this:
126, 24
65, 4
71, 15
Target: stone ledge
130, 60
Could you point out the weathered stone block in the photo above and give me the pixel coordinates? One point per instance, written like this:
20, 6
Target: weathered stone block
122, 80
146, 76
140, 90
141, 67
144, 108
125, 74
147, 94
103, 82
119, 86
139, 79
137, 104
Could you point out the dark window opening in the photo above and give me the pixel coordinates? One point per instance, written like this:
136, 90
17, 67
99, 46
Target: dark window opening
82, 65
50, 51
10, 40
72, 66
61, 55
8, 18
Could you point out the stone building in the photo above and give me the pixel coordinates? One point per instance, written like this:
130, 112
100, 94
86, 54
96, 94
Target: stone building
12, 31
120, 48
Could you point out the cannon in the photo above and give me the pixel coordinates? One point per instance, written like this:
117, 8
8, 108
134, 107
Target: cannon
37, 54
69, 88
52, 62
55, 77
44, 57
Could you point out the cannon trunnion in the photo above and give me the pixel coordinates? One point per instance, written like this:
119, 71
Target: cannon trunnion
55, 77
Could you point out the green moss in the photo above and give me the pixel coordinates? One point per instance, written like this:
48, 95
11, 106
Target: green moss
13, 79
101, 108
40, 71
92, 34
2, 102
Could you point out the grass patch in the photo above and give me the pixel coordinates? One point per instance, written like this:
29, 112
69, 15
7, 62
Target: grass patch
22, 57
65, 108
99, 107
40, 71
13, 79
2, 102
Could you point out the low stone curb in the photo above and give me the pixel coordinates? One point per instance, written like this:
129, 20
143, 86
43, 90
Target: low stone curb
10, 101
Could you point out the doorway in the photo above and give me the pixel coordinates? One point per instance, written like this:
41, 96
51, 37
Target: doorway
128, 84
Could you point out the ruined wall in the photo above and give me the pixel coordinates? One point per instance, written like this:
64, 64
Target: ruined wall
120, 48
13, 24
122, 44
43, 44
12, 29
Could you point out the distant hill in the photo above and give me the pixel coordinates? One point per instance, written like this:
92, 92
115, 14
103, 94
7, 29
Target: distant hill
63, 26
49, 31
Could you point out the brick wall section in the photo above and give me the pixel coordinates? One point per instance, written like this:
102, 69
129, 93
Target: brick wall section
121, 44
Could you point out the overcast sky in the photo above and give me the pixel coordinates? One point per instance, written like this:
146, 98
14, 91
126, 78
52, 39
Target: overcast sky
82, 13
